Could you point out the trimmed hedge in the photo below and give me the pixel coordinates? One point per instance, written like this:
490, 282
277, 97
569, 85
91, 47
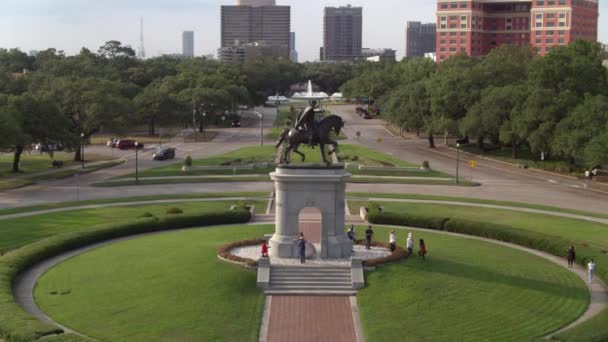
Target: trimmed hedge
224, 251
16, 325
547, 243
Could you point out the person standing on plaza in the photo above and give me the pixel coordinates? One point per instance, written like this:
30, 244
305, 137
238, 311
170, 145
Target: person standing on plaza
392, 239
369, 233
591, 270
571, 256
422, 250
351, 232
265, 249
410, 244
302, 248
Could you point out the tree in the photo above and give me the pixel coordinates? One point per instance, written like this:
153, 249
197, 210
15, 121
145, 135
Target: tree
574, 133
154, 105
31, 118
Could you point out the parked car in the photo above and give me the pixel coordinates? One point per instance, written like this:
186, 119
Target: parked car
236, 123
127, 144
112, 142
48, 147
164, 154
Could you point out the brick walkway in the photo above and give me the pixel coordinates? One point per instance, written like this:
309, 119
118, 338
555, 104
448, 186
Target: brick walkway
311, 318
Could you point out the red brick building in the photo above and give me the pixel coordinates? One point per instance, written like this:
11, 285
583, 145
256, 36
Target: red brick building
477, 26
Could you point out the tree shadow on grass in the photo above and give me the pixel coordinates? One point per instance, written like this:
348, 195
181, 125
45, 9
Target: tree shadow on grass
487, 275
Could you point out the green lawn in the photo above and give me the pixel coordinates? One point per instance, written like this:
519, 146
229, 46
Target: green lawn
465, 290
36, 162
173, 288
22, 231
266, 154
468, 291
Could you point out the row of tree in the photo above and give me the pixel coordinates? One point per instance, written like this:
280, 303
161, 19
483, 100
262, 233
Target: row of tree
60, 97
511, 98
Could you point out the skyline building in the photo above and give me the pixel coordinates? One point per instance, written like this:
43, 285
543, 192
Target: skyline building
420, 39
377, 55
293, 53
476, 27
342, 33
256, 3
188, 44
259, 22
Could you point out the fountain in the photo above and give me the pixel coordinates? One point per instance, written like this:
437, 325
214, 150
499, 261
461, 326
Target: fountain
310, 95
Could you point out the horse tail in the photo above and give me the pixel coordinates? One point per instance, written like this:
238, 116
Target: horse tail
282, 137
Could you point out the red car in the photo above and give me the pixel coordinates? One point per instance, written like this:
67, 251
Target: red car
128, 144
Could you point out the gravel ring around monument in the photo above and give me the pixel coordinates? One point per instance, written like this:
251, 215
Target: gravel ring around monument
23, 288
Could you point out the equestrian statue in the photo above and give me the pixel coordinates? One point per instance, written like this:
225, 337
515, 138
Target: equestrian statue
309, 131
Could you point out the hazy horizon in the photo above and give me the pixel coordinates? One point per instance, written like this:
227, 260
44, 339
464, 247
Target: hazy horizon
69, 25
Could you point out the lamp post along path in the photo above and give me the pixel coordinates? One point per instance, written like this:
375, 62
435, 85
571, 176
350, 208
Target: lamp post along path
82, 150
136, 163
457, 161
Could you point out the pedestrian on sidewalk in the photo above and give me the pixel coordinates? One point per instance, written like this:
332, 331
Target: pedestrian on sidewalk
591, 269
302, 248
265, 249
392, 239
410, 244
422, 249
571, 255
351, 232
369, 233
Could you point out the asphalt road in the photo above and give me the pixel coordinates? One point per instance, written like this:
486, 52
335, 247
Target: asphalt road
499, 182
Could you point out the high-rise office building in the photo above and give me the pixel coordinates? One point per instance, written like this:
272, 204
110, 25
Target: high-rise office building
188, 44
343, 32
378, 55
293, 54
255, 3
257, 22
420, 39
476, 27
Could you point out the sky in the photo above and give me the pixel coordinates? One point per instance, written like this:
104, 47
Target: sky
69, 25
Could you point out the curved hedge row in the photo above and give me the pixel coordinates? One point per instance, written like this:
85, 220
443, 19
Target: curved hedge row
16, 325
224, 251
592, 330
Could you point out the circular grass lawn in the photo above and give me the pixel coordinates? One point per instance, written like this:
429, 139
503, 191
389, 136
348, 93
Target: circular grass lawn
171, 287
166, 287
468, 290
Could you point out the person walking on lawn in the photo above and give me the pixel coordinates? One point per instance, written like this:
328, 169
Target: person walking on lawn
369, 233
422, 250
410, 244
591, 269
571, 256
392, 239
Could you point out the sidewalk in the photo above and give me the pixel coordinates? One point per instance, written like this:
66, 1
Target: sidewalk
67, 168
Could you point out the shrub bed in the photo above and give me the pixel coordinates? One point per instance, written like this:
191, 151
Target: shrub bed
224, 251
547, 243
398, 254
16, 325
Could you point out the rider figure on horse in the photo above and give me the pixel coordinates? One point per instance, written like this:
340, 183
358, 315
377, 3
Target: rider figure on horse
306, 122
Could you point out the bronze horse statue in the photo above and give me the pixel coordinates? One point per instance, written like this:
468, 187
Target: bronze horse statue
320, 136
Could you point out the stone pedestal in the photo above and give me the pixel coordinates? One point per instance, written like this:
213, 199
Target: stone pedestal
301, 186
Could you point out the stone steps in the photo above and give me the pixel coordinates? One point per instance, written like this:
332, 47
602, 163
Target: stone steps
310, 280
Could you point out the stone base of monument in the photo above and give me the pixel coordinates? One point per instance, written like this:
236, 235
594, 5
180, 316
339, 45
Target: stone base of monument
303, 186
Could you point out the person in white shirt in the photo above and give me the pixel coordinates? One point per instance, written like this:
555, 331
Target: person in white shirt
392, 239
410, 243
591, 269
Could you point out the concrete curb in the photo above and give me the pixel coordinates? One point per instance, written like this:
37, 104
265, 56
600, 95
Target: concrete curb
356, 319
265, 319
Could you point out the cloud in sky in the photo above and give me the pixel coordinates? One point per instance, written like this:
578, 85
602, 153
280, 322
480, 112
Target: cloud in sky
71, 24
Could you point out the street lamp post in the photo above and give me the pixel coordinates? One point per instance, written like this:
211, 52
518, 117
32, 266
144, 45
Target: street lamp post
204, 116
278, 104
261, 116
136, 163
82, 150
457, 161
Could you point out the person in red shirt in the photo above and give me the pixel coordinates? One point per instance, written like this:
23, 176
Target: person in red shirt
264, 250
422, 249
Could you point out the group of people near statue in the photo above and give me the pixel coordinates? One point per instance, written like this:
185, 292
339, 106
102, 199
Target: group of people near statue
392, 239
571, 257
301, 245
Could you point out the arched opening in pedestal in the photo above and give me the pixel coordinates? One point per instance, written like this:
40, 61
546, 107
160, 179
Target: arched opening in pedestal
310, 222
